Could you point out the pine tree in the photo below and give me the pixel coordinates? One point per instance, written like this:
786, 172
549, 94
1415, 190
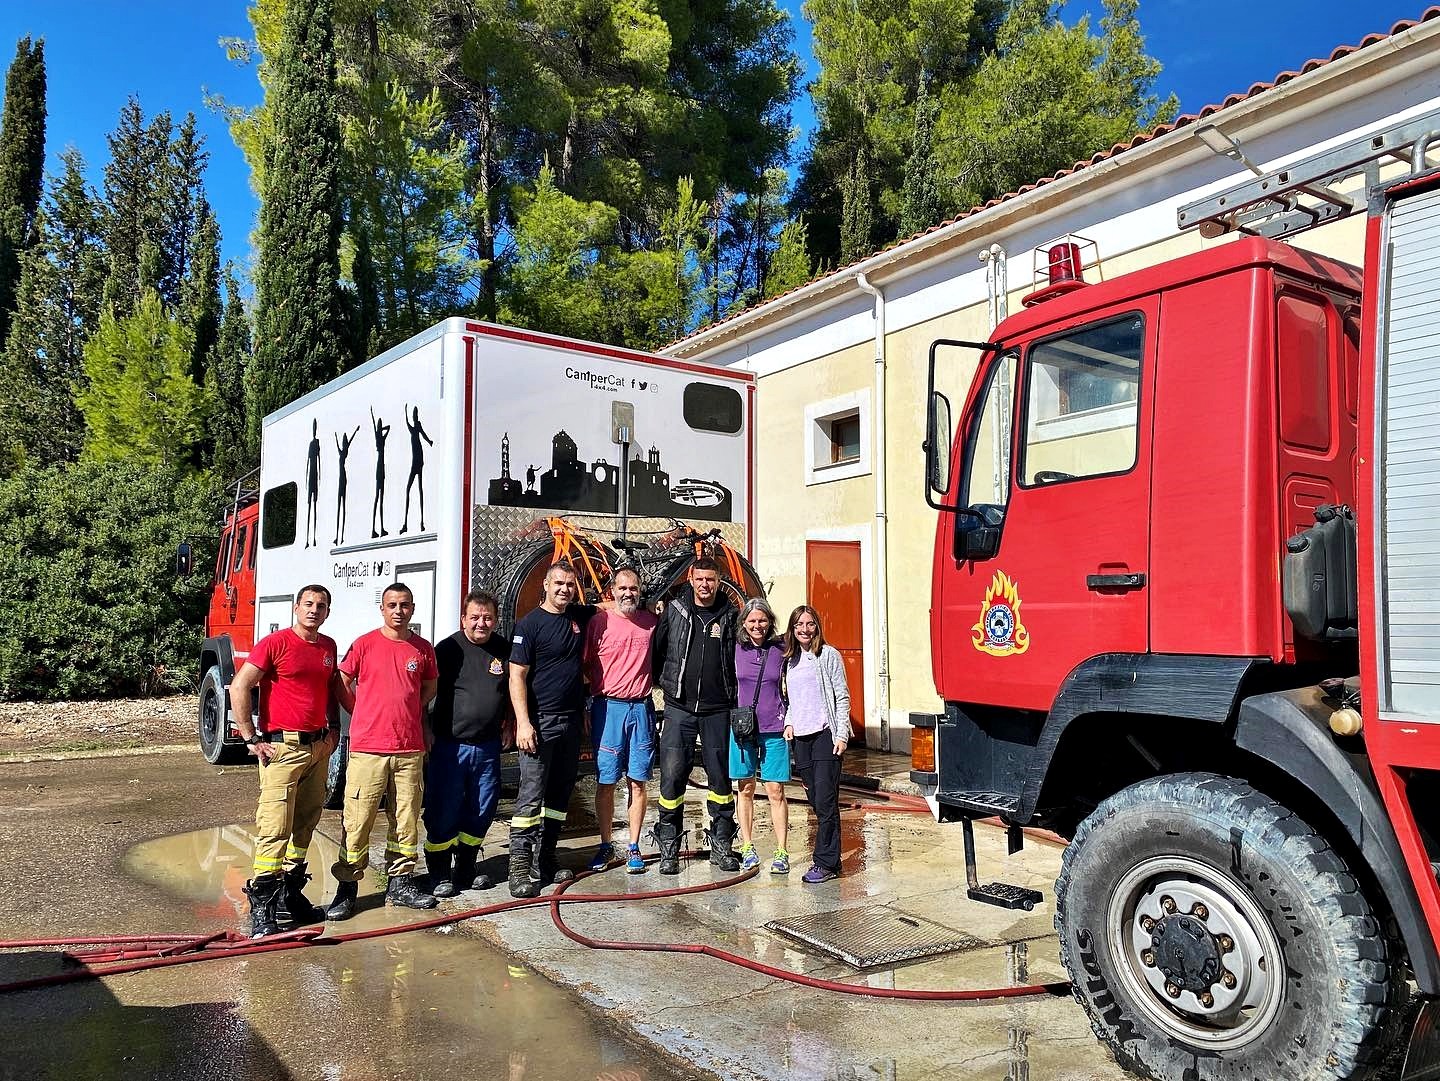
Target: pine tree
857, 224
183, 189
921, 205
135, 178
790, 265
225, 386
22, 165
297, 319
140, 403
366, 332
41, 367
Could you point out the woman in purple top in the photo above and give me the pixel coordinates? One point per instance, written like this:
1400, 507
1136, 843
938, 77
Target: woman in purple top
817, 722
758, 661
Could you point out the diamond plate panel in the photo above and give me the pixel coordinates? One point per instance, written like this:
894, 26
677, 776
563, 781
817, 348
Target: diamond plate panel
868, 938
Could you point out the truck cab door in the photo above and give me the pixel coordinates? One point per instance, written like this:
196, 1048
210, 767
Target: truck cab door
1049, 564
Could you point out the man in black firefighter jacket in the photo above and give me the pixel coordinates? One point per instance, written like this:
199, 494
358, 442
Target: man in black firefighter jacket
695, 662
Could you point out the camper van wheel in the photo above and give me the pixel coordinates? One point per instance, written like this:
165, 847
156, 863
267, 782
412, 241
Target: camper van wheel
335, 775
1200, 919
211, 727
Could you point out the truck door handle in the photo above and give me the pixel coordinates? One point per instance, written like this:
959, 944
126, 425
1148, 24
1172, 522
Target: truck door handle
1115, 581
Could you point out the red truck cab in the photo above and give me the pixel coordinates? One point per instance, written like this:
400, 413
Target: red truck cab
229, 621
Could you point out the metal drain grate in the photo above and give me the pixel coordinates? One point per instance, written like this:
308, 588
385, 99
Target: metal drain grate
866, 938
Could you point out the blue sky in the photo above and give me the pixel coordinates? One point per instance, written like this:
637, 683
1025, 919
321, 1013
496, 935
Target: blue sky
165, 51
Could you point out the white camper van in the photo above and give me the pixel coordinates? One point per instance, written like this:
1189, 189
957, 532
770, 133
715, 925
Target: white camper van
469, 457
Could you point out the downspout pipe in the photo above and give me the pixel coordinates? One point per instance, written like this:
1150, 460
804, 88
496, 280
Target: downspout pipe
882, 559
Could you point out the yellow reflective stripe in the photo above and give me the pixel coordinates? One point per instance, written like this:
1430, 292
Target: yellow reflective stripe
472, 841
439, 846
293, 853
355, 855
520, 822
550, 812
404, 850
671, 804
713, 798
266, 863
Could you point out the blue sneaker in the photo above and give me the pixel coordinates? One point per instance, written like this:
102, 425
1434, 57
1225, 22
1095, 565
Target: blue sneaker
749, 858
604, 857
780, 865
816, 875
635, 865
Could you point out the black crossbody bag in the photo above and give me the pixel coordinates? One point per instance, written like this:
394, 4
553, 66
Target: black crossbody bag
743, 719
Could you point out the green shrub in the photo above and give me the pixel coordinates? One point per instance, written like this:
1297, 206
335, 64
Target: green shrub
90, 605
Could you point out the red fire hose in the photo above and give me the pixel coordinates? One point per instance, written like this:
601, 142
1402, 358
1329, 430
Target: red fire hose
138, 953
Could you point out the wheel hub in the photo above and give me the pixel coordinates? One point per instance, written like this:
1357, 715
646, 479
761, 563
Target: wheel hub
1197, 951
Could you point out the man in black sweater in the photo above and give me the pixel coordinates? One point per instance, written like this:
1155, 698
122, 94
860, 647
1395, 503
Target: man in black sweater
695, 657
462, 771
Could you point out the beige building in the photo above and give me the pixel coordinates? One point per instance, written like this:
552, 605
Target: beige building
841, 362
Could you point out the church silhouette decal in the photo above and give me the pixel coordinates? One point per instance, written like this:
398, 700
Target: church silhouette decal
570, 484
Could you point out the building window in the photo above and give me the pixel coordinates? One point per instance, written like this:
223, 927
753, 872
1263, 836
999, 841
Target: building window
837, 438
844, 436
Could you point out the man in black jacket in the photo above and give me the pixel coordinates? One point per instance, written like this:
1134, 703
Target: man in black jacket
695, 657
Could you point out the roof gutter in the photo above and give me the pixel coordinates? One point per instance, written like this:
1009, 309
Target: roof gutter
842, 283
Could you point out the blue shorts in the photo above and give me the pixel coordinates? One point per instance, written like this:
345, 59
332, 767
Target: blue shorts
768, 754
624, 735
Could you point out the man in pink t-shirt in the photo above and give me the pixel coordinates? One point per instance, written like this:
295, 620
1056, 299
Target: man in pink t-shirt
618, 663
393, 675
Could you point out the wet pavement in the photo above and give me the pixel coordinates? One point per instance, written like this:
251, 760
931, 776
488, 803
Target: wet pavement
150, 843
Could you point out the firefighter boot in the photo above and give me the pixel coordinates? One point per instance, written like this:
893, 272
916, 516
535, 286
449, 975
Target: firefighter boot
403, 891
295, 909
550, 871
441, 882
264, 894
464, 876
722, 836
343, 907
524, 869
667, 840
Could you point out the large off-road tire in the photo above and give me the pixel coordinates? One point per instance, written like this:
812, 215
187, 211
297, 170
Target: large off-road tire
1211, 934
211, 725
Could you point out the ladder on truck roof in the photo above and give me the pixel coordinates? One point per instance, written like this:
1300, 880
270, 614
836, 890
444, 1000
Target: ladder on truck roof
1280, 203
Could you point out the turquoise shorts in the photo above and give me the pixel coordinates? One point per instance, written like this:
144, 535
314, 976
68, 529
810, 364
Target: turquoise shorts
767, 755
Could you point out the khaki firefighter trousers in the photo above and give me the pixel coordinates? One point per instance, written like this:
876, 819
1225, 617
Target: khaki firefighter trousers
292, 797
395, 782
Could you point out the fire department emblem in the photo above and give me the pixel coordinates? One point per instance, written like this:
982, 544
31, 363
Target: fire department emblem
999, 631
412, 665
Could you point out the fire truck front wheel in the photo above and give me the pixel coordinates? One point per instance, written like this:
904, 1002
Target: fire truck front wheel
212, 724
1210, 932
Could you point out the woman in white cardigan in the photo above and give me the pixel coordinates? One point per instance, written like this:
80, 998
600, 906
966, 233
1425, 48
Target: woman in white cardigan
817, 722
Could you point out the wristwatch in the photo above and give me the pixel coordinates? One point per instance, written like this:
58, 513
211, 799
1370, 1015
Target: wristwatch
256, 738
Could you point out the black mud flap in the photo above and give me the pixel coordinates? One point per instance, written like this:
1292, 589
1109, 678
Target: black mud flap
1422, 1058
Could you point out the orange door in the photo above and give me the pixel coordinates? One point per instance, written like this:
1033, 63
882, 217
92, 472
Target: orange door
832, 588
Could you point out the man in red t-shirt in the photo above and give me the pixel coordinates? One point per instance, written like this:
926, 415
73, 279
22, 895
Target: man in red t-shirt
299, 684
393, 674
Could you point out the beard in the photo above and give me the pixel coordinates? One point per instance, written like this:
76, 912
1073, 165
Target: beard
627, 606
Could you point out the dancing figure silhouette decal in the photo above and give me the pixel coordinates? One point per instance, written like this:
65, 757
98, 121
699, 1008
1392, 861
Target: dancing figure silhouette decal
382, 431
342, 447
312, 486
417, 465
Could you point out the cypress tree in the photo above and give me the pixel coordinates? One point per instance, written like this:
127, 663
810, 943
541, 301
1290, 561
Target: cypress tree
297, 319
201, 289
225, 385
857, 221
366, 334
920, 205
22, 166
183, 193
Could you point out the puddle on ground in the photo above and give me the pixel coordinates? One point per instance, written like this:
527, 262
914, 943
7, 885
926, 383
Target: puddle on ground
428, 1004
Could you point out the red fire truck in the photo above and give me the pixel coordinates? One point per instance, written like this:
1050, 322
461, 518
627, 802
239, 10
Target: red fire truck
1186, 613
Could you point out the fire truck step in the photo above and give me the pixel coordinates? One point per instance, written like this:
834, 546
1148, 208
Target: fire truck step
1000, 894
1005, 895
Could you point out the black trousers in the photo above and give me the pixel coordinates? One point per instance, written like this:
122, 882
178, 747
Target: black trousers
819, 769
677, 755
547, 778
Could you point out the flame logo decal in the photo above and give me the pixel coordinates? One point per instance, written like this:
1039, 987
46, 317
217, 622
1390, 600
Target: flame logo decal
999, 631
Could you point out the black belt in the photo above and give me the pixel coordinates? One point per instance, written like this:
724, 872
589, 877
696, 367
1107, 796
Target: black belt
615, 698
302, 738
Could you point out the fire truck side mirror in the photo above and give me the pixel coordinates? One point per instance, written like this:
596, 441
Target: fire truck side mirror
937, 445
184, 560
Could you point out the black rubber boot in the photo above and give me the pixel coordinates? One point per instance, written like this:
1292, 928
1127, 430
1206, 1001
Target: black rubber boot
403, 891
524, 870
463, 876
343, 907
722, 838
550, 869
295, 909
441, 882
667, 840
264, 894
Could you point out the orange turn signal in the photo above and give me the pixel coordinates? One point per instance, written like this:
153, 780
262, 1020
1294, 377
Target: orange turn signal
922, 750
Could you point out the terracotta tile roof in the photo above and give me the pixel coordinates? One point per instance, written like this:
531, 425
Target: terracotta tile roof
1102, 155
